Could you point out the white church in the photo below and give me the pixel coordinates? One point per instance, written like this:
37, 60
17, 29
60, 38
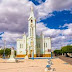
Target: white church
33, 45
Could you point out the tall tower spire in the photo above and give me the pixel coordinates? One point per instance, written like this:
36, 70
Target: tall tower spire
32, 32
31, 13
31, 8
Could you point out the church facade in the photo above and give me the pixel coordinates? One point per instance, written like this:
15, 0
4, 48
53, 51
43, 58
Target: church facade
33, 45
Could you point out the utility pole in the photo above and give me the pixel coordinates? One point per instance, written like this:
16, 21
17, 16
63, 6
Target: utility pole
4, 49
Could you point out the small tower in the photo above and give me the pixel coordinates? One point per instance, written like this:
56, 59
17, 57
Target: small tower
42, 44
32, 33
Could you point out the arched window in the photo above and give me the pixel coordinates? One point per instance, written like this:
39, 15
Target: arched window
46, 44
30, 31
39, 45
20, 45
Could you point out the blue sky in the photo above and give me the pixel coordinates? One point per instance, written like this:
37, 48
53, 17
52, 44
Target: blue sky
54, 19
59, 18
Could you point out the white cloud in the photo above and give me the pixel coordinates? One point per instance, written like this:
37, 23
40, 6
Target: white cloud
67, 31
67, 25
47, 31
59, 37
53, 5
11, 37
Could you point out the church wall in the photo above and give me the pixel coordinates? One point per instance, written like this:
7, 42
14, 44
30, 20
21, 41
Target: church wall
24, 43
42, 43
47, 46
38, 46
42, 49
21, 47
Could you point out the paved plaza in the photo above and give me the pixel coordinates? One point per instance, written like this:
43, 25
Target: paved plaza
36, 65
61, 66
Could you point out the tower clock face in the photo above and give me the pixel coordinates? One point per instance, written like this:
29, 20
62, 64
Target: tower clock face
31, 21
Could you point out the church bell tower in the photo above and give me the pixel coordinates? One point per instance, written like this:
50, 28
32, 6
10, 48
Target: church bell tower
32, 33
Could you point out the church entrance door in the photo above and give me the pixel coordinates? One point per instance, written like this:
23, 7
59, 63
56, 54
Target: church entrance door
38, 54
30, 53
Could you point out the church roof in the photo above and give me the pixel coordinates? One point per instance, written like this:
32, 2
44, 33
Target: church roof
31, 13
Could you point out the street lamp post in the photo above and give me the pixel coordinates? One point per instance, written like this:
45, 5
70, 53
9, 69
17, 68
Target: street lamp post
32, 54
4, 49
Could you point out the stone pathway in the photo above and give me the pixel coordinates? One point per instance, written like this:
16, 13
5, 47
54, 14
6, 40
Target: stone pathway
61, 66
67, 59
37, 65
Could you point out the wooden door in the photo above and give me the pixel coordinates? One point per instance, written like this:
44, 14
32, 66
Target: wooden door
30, 53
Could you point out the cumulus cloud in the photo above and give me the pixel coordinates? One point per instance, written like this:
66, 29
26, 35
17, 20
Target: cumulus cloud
47, 31
14, 13
67, 25
59, 37
10, 39
67, 31
53, 5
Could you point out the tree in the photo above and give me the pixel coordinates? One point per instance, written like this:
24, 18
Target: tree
7, 52
67, 49
57, 52
15, 52
1, 52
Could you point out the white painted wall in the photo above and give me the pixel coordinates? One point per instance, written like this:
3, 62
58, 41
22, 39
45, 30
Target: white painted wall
21, 46
47, 41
